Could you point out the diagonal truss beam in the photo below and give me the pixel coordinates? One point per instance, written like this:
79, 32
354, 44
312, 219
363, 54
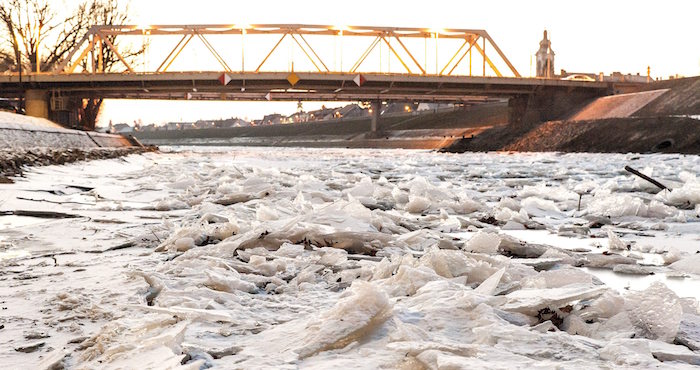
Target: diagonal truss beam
468, 51
71, 68
307, 54
271, 51
500, 53
397, 55
487, 60
364, 55
116, 52
409, 53
213, 52
466, 41
174, 53
61, 67
313, 51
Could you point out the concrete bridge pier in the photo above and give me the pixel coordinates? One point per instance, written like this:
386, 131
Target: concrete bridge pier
376, 107
62, 110
547, 105
36, 103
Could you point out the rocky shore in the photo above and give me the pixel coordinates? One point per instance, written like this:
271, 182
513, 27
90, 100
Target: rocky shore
613, 135
12, 161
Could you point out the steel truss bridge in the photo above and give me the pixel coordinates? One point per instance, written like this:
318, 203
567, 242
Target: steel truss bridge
250, 63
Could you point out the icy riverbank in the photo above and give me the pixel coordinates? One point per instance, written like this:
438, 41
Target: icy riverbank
235, 258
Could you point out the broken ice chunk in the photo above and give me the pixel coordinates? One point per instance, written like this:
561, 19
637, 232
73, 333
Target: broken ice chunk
531, 301
689, 265
362, 308
184, 244
417, 204
655, 312
227, 281
689, 332
483, 242
615, 243
537, 207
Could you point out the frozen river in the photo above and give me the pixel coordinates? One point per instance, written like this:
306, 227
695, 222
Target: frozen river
239, 258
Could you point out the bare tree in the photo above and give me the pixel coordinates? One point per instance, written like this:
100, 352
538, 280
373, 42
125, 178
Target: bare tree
36, 39
7, 61
106, 12
36, 35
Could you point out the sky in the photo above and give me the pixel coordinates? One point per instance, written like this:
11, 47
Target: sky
587, 36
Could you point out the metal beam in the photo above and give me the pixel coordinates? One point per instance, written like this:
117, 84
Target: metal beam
116, 52
500, 53
270, 53
364, 55
487, 60
82, 56
468, 51
314, 52
397, 55
409, 54
176, 50
299, 33
306, 53
214, 52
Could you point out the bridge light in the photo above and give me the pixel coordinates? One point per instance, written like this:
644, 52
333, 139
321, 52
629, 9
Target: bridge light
436, 31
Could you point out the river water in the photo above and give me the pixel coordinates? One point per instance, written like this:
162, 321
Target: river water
316, 258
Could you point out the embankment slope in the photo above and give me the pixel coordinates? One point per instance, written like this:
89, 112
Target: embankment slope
665, 117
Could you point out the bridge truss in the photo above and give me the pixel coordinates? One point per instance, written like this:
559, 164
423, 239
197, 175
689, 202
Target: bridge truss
248, 63
411, 47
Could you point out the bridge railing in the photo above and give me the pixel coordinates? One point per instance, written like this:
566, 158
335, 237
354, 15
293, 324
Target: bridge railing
291, 47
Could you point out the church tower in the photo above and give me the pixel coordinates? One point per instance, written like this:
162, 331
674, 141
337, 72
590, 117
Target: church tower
545, 58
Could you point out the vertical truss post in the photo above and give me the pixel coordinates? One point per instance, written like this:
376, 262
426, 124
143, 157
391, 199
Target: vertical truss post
470, 60
436, 52
483, 54
100, 57
93, 60
243, 32
487, 60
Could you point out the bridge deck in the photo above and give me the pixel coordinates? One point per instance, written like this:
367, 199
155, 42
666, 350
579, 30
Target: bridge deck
274, 86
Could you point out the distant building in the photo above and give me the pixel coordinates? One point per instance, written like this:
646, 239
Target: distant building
170, 126
545, 58
148, 128
231, 122
272, 119
122, 128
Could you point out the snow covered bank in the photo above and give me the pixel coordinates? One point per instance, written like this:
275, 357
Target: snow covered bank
28, 141
20, 132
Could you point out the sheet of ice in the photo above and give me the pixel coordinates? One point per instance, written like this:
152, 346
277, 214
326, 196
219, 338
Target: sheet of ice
230, 258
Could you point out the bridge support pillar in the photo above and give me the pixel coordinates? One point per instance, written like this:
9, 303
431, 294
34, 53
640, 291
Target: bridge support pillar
37, 103
376, 108
542, 106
